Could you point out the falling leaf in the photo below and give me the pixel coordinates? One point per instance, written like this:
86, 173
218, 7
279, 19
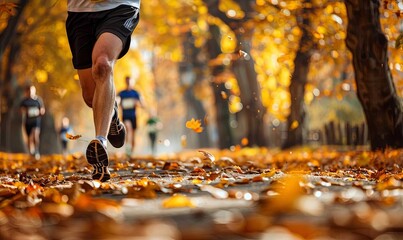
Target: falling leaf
177, 201
244, 141
294, 125
60, 92
73, 137
224, 95
195, 125
243, 54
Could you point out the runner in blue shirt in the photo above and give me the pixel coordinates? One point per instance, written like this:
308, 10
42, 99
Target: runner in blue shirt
129, 100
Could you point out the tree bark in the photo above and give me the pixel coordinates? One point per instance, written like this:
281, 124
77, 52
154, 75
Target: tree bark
296, 119
250, 93
375, 87
243, 68
6, 37
191, 73
11, 135
225, 136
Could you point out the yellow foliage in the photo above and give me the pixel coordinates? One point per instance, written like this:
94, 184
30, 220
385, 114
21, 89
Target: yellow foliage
235, 104
231, 8
41, 76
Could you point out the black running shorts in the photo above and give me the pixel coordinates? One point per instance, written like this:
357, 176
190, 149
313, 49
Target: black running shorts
31, 124
132, 120
84, 28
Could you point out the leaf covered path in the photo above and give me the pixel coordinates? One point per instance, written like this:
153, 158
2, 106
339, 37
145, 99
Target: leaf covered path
249, 193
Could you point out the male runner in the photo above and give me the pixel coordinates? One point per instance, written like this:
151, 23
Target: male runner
32, 109
129, 100
99, 33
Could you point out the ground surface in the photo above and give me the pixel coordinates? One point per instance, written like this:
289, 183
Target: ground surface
248, 193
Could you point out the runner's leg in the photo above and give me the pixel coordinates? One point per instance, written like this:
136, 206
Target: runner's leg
97, 82
104, 55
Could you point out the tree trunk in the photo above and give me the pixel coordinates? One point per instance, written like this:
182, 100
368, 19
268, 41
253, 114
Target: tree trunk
6, 110
250, 93
225, 136
375, 87
190, 71
8, 33
296, 119
244, 70
10, 139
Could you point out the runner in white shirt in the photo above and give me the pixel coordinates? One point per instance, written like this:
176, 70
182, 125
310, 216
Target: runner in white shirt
99, 33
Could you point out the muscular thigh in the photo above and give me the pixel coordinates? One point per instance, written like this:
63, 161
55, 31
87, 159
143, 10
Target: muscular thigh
108, 45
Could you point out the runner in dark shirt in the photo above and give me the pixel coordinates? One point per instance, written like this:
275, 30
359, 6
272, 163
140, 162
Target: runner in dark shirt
32, 109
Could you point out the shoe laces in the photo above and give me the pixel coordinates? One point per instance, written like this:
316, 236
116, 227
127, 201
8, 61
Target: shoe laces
114, 128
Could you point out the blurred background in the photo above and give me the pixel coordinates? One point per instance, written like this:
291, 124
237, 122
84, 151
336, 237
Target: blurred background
227, 63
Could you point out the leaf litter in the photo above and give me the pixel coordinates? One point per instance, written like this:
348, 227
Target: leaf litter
301, 194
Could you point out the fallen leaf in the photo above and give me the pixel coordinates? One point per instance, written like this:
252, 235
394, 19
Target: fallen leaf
177, 201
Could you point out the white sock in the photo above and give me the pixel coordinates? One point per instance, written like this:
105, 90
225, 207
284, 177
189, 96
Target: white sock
102, 140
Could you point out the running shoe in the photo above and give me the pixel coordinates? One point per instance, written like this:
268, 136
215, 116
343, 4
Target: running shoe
97, 156
117, 130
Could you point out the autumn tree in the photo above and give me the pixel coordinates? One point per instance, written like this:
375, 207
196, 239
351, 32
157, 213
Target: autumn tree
239, 21
221, 93
192, 73
375, 87
299, 78
37, 54
8, 89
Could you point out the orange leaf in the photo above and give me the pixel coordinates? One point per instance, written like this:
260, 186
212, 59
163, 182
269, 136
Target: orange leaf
244, 141
224, 95
195, 125
72, 137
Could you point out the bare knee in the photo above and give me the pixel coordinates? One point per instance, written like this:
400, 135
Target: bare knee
102, 68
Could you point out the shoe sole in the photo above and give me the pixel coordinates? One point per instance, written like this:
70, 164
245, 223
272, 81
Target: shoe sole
98, 158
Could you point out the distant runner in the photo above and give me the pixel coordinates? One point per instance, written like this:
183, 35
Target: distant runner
32, 110
129, 100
